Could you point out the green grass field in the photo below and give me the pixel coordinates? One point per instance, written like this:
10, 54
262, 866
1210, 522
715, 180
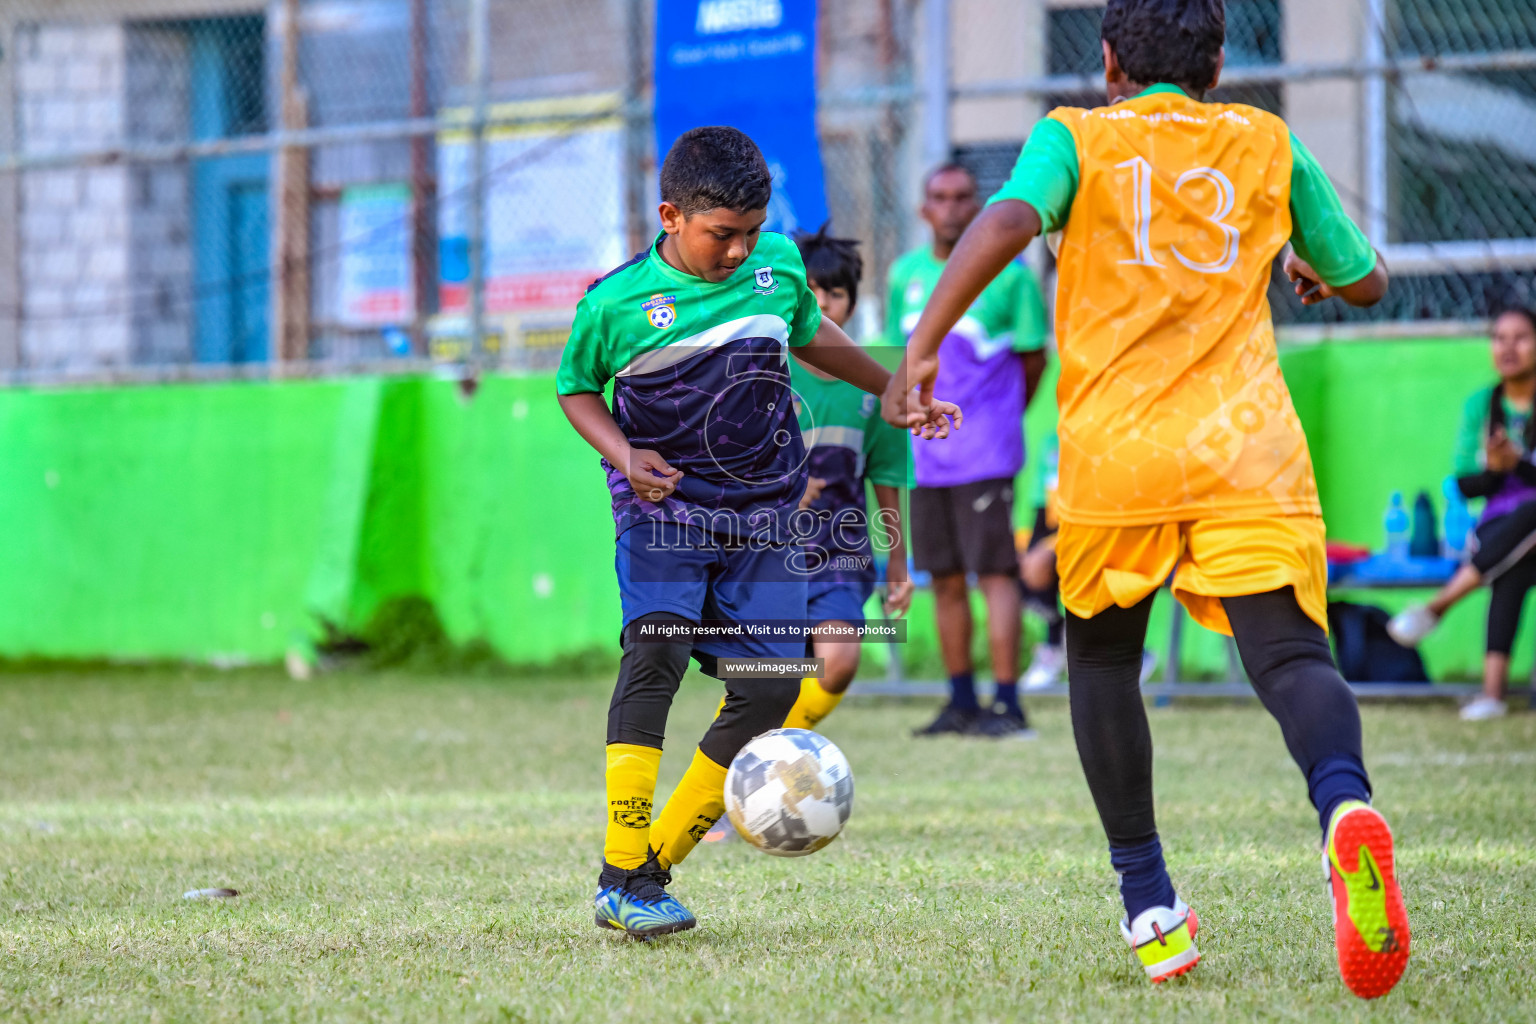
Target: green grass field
413, 848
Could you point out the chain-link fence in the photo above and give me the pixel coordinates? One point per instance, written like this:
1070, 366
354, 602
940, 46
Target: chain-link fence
192, 185
188, 186
1421, 111
205, 182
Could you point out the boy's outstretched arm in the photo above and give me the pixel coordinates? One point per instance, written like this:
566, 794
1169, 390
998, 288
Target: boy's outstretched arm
1329, 255
996, 236
647, 472
1367, 291
832, 351
898, 587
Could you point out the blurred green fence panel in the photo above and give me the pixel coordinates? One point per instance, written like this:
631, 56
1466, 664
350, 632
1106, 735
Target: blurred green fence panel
231, 521
162, 521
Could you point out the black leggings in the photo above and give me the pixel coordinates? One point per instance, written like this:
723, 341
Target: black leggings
1506, 600
649, 674
1048, 600
1506, 556
1286, 655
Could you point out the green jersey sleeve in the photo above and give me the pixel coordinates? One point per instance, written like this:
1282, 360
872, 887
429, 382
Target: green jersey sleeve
887, 454
1321, 232
1045, 175
807, 317
1029, 326
583, 365
1469, 439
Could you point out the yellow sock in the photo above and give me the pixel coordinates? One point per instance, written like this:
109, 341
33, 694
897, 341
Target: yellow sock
812, 705
631, 786
692, 810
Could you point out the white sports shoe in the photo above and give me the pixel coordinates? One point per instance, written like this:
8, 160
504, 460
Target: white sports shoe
1482, 709
1410, 626
1045, 668
1164, 940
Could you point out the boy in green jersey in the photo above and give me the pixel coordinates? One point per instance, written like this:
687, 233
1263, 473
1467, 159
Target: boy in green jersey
848, 445
706, 466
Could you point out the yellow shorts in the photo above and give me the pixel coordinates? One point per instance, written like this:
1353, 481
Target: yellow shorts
1101, 566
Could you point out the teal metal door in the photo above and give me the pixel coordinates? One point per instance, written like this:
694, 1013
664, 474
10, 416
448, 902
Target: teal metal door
230, 194
249, 240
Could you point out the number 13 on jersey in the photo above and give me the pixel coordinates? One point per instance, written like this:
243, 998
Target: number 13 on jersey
1142, 216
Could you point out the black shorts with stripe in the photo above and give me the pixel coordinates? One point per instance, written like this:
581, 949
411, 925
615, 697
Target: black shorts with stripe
967, 528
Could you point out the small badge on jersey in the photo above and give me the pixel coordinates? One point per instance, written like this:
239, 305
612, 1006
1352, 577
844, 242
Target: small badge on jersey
867, 407
763, 278
915, 293
661, 311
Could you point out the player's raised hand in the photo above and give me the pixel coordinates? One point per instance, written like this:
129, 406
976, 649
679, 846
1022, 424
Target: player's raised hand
898, 406
893, 402
1309, 286
942, 418
921, 375
1312, 289
898, 598
650, 475
1500, 452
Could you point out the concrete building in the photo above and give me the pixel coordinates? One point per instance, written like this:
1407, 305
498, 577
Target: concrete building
98, 267
109, 264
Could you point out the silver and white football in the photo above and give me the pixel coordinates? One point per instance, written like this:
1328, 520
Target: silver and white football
789, 792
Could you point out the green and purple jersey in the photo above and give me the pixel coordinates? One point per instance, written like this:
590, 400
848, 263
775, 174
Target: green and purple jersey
700, 375
848, 444
981, 368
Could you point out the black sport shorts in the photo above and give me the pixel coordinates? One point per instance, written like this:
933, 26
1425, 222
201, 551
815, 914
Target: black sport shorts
965, 528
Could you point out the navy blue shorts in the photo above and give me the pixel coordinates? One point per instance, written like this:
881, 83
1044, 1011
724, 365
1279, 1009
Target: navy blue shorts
669, 567
845, 601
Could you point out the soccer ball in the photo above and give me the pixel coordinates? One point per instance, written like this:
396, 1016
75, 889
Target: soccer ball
789, 792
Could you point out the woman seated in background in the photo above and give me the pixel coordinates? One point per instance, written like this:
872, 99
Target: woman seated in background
1494, 460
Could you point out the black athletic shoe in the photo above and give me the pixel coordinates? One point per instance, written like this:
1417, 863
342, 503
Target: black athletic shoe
951, 720
1001, 723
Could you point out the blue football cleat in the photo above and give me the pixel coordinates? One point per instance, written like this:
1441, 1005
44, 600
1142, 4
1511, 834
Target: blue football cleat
635, 901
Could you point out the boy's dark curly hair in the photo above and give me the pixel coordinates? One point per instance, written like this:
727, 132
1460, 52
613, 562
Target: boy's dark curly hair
1176, 41
715, 167
831, 262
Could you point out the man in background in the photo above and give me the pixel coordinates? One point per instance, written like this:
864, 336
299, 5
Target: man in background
962, 506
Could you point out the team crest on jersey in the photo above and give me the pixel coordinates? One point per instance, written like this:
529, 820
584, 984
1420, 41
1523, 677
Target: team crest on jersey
914, 293
868, 405
763, 277
661, 311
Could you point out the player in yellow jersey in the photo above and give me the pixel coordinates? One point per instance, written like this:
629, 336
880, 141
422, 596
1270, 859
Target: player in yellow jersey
1180, 450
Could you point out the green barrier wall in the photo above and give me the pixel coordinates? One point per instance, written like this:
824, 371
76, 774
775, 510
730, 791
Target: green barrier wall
228, 521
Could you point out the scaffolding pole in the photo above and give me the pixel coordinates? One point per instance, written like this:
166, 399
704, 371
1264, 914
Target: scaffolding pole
479, 81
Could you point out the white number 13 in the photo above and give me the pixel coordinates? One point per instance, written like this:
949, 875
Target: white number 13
1141, 216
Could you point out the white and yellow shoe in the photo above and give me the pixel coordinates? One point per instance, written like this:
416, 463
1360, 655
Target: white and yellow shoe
1164, 940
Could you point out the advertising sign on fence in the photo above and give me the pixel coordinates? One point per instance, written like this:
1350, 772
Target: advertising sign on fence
554, 205
750, 64
377, 287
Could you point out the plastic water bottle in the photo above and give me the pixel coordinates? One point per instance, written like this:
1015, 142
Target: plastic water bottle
1397, 524
1458, 520
397, 341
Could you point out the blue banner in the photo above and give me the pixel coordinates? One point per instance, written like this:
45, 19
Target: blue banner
750, 64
